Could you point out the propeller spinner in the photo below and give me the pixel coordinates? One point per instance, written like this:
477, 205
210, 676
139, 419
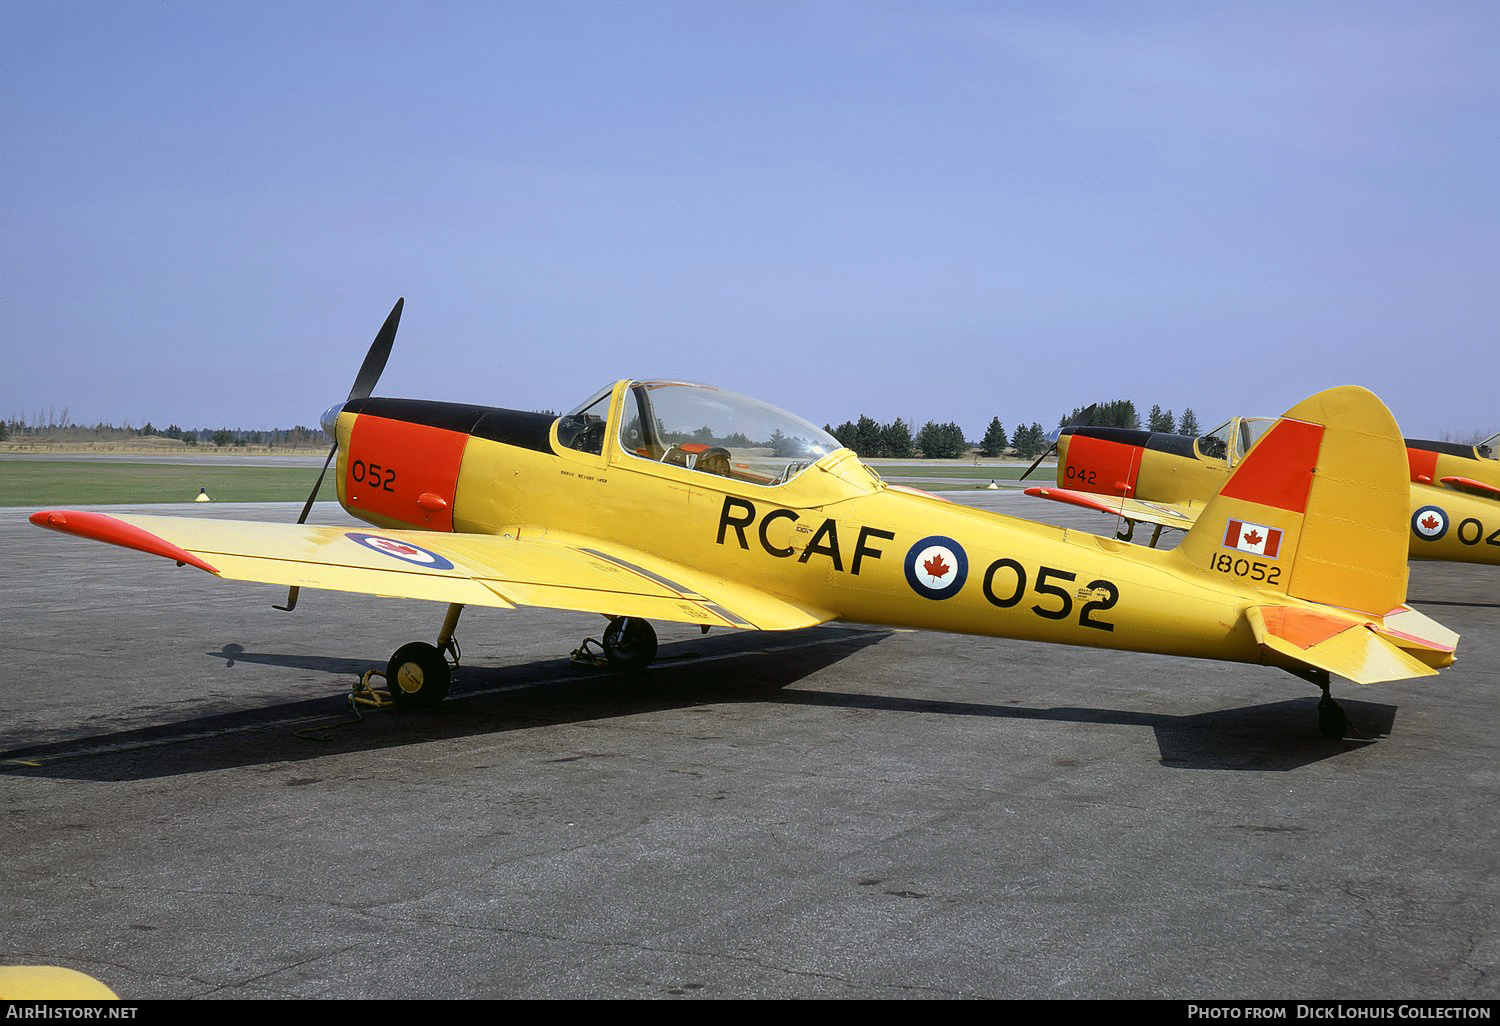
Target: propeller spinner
1082, 420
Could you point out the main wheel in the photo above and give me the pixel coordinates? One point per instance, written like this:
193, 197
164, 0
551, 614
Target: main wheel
417, 676
629, 643
1333, 723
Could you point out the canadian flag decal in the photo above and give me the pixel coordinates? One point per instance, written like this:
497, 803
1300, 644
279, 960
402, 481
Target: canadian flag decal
1254, 538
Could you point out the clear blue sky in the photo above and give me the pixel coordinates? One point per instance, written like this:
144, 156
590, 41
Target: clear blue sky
927, 209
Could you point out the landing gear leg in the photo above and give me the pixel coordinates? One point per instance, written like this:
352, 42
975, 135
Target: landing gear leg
446, 642
418, 674
1333, 723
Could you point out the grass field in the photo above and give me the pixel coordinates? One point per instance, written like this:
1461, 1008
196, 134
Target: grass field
39, 483
69, 482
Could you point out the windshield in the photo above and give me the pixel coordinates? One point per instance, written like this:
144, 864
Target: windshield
717, 432
1215, 444
583, 427
1489, 449
1251, 428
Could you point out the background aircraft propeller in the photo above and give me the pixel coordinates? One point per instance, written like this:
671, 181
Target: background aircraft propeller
364, 384
1082, 420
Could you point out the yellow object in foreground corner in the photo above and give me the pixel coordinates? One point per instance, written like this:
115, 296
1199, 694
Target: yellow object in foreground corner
50, 983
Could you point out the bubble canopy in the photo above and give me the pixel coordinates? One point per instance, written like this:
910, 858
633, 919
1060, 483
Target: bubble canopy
707, 429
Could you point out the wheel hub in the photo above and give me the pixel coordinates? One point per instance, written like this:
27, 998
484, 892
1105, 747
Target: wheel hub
409, 678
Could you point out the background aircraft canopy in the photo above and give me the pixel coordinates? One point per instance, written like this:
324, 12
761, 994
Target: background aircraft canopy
1231, 440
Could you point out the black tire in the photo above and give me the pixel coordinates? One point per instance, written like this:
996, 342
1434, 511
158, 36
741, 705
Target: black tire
417, 676
1333, 722
629, 643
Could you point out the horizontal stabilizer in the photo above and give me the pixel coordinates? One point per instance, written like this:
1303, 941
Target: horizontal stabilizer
1421, 635
1337, 644
1180, 516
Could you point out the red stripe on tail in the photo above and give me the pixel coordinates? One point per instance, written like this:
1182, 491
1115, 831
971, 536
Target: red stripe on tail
1279, 471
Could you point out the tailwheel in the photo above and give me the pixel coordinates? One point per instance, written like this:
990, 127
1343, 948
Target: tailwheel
418, 676
1333, 723
629, 643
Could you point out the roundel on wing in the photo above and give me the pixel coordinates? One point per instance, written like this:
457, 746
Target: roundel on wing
936, 567
1429, 523
402, 550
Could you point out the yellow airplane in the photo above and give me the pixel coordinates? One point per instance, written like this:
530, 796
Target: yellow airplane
1166, 480
673, 501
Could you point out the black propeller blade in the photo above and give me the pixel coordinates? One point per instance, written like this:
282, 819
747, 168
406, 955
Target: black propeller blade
380, 351
308, 505
364, 384
1082, 420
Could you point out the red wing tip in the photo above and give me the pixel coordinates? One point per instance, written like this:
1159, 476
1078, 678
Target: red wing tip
105, 528
1465, 484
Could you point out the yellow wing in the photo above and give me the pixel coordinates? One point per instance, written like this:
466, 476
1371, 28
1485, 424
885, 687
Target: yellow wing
1180, 515
526, 568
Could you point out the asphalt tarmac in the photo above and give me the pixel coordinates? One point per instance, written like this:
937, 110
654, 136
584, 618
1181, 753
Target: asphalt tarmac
190, 811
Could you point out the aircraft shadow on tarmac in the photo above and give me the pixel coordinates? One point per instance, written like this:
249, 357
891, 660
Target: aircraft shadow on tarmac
1273, 736
1444, 602
742, 668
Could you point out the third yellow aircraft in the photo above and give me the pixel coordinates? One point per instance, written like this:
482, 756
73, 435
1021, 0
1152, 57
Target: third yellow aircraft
1166, 479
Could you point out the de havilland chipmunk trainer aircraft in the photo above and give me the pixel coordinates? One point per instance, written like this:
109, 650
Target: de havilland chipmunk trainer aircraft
662, 500
1165, 479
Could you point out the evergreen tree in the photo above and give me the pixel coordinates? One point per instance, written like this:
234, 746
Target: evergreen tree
1029, 442
994, 442
896, 440
867, 437
1118, 413
941, 441
1189, 423
1156, 420
956, 440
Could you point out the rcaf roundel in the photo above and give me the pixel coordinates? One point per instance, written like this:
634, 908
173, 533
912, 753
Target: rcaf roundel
1429, 523
936, 567
401, 550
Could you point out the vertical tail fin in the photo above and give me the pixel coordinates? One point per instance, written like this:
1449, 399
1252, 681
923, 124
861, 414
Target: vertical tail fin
1318, 508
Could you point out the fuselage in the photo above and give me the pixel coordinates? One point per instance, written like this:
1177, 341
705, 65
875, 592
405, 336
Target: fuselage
830, 537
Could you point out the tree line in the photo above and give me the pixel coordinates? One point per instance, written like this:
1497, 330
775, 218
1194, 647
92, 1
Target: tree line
870, 438
934, 441
58, 427
1121, 413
